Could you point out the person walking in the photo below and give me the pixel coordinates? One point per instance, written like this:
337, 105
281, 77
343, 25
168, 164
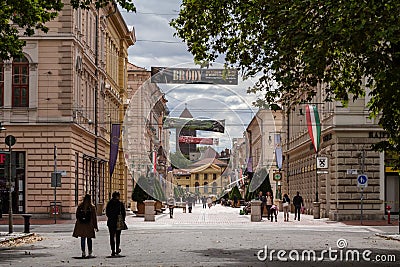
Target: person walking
286, 207
190, 203
171, 205
204, 201
114, 208
86, 224
298, 203
269, 201
263, 200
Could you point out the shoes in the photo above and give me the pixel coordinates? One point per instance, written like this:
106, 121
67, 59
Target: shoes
113, 254
83, 254
90, 254
118, 251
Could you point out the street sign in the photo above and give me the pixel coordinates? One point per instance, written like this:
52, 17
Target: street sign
322, 172
322, 163
352, 171
277, 176
56, 179
362, 180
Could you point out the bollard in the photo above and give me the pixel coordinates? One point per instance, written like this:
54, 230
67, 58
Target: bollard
388, 208
26, 222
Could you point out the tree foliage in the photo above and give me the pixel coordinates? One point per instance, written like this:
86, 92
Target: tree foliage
25, 17
297, 44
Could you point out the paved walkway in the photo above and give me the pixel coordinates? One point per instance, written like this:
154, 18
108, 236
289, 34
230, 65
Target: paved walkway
216, 215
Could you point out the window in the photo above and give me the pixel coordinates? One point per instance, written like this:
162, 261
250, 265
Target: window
205, 187
205, 176
20, 84
214, 188
196, 176
1, 84
214, 176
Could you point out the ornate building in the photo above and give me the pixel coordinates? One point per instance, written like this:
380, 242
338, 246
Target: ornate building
60, 101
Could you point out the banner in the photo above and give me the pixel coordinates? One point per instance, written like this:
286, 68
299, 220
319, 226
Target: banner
191, 75
114, 145
278, 151
194, 124
313, 125
198, 140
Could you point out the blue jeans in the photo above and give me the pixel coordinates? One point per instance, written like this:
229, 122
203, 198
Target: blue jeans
89, 243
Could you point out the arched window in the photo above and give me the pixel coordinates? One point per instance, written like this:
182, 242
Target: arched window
214, 188
20, 84
1, 84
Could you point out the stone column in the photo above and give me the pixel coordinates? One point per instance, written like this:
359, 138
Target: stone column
316, 210
149, 212
255, 210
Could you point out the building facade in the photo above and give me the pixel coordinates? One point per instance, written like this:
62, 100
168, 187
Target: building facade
59, 102
347, 133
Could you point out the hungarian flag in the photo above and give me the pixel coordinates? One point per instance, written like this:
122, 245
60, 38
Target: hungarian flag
314, 126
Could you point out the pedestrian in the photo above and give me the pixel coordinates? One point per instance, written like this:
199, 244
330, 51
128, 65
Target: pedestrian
235, 200
274, 212
269, 201
204, 201
298, 204
86, 224
190, 203
171, 205
286, 207
263, 200
209, 202
114, 208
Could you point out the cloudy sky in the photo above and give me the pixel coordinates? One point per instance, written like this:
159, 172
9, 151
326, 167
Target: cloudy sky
156, 46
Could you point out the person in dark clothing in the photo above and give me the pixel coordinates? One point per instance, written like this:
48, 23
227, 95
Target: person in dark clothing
204, 201
113, 209
263, 200
298, 203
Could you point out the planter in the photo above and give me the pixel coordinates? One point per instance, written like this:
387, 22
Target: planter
140, 209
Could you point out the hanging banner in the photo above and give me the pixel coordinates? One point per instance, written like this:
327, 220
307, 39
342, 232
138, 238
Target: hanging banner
278, 151
191, 75
114, 145
154, 160
197, 140
194, 124
313, 125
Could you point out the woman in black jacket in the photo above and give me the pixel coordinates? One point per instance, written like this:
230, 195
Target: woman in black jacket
113, 209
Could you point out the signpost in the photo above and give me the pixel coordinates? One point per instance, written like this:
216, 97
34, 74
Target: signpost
362, 182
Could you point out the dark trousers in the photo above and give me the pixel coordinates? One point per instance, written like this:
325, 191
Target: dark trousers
171, 212
190, 209
269, 211
204, 205
262, 209
273, 213
115, 238
297, 212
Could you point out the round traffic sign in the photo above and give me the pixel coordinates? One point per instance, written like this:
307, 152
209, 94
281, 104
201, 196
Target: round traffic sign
362, 179
10, 140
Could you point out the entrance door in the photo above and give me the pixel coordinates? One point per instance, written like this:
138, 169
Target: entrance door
392, 188
18, 183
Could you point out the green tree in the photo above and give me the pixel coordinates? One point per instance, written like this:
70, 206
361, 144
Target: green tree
294, 45
235, 192
27, 16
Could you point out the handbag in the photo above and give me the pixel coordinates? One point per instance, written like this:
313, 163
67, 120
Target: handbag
121, 225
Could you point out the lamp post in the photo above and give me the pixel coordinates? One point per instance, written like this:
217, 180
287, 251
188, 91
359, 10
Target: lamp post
10, 141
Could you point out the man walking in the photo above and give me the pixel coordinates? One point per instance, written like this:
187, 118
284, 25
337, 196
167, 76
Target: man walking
171, 205
298, 203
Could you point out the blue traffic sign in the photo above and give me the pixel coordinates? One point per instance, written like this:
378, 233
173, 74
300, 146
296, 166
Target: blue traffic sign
362, 180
